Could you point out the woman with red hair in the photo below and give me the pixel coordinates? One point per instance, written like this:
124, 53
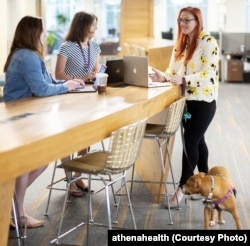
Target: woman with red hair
195, 66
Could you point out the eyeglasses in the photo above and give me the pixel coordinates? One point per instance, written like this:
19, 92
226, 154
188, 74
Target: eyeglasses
185, 21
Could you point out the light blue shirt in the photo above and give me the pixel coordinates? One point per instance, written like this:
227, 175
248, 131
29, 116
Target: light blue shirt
27, 76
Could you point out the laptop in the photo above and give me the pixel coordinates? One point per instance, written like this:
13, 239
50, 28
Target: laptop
115, 70
136, 70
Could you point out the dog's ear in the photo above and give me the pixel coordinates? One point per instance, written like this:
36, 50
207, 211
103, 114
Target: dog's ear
192, 181
202, 174
197, 180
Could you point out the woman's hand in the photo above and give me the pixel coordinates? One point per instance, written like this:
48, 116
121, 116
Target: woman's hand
73, 84
156, 75
90, 76
176, 79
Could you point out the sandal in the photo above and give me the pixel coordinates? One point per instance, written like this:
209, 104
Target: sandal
75, 191
81, 186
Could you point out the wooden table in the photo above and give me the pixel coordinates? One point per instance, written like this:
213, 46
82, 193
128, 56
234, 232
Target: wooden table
36, 131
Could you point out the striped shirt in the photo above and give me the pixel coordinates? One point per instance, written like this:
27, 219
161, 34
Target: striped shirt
80, 61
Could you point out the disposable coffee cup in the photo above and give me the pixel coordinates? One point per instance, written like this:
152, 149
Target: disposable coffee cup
101, 81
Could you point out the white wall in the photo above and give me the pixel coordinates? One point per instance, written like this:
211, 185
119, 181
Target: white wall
235, 16
11, 12
3, 31
223, 15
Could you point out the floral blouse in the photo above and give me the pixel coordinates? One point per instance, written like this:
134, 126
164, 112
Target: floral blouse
202, 71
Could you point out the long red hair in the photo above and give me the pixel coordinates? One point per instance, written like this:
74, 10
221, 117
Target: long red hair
183, 39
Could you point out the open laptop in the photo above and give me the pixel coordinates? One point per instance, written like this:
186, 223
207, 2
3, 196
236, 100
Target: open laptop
136, 70
114, 70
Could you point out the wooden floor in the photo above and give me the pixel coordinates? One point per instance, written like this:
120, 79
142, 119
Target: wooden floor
228, 139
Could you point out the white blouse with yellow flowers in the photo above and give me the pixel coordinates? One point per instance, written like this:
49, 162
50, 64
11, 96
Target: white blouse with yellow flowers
201, 72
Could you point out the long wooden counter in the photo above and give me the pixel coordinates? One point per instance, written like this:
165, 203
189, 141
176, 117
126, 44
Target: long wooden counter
36, 131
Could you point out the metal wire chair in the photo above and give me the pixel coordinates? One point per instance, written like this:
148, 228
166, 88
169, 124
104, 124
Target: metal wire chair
161, 134
53, 183
123, 150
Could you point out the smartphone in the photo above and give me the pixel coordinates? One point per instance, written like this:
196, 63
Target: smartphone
102, 69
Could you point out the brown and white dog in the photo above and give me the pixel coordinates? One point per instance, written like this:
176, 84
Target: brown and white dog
219, 193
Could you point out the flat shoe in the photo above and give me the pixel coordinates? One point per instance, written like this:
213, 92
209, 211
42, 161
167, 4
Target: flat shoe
178, 194
75, 191
85, 189
82, 186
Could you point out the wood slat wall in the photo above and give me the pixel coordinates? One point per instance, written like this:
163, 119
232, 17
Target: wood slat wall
136, 20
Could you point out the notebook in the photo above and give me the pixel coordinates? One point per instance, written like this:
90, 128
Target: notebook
136, 70
114, 70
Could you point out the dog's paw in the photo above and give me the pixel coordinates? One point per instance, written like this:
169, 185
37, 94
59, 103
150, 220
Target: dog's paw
221, 221
211, 223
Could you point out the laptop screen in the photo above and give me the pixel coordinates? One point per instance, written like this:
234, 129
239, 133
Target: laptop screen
115, 70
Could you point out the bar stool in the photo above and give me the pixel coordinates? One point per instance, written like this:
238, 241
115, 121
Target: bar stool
161, 134
53, 183
124, 147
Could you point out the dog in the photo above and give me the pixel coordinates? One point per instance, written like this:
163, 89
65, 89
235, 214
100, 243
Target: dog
219, 192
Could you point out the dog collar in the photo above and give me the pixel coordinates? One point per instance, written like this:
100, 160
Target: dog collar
210, 195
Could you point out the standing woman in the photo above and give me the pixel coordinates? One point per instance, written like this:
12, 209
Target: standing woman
194, 65
26, 76
79, 58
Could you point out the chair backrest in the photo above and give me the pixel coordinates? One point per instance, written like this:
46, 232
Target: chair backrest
124, 147
138, 50
174, 116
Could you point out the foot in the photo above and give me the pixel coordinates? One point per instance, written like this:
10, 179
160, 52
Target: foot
82, 186
175, 199
28, 222
75, 191
31, 222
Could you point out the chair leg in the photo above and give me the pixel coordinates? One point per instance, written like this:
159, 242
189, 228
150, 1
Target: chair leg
108, 207
53, 182
50, 189
62, 215
124, 184
113, 192
20, 232
129, 201
173, 179
164, 180
132, 180
90, 212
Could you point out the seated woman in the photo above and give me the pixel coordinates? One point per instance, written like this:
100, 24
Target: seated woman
26, 76
79, 58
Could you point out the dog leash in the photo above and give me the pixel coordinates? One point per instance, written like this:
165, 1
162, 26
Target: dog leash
186, 116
